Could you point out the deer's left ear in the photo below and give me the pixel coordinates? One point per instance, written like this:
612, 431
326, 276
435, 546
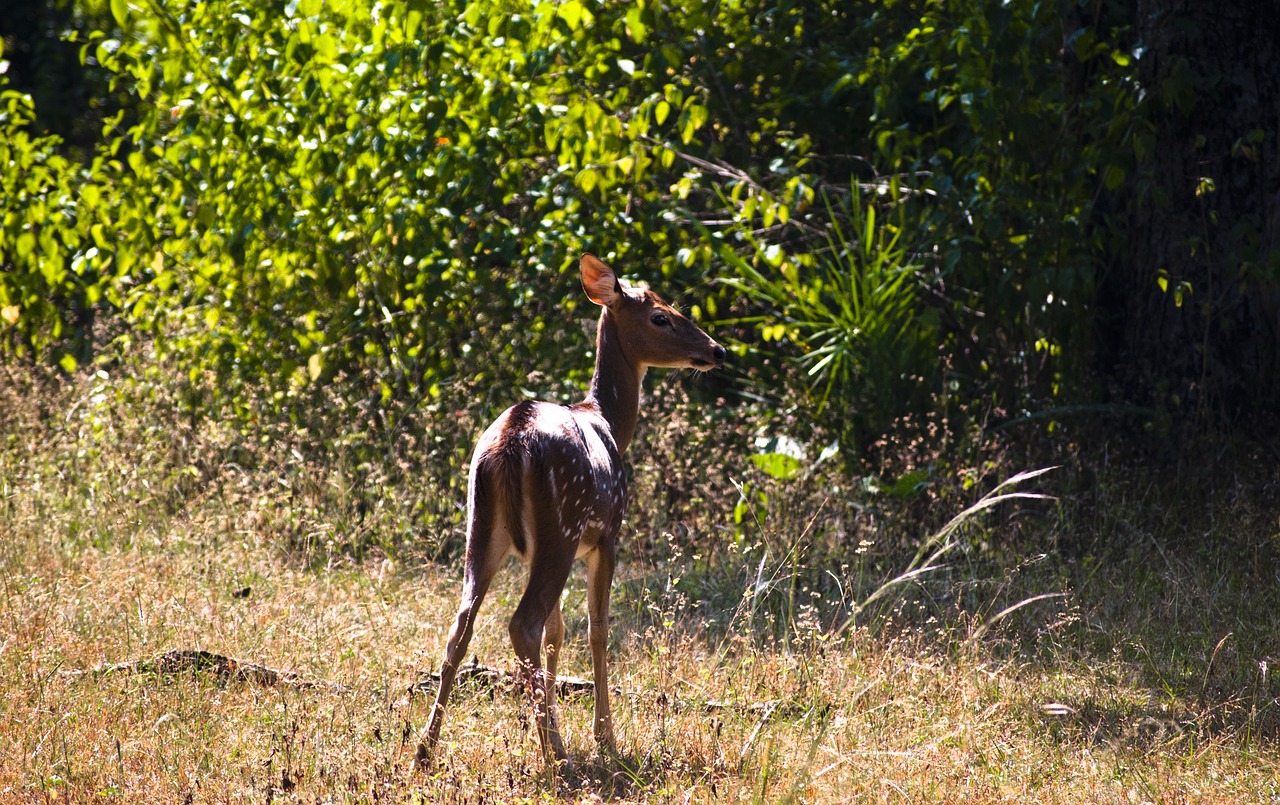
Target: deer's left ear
599, 281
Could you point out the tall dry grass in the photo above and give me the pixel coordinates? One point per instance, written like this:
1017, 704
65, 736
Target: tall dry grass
768, 658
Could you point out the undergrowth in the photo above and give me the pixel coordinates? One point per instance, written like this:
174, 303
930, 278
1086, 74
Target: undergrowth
824, 637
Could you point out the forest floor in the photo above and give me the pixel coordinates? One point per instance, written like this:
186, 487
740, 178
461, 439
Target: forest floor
1138, 674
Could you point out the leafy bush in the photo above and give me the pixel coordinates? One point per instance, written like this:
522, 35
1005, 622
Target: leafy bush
54, 225
1015, 122
854, 315
332, 188
380, 198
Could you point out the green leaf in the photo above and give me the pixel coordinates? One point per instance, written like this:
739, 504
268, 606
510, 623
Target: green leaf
777, 465
635, 25
1112, 177
26, 245
779, 456
120, 10
694, 118
571, 12
910, 484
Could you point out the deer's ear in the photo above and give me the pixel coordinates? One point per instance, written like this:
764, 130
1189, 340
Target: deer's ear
599, 281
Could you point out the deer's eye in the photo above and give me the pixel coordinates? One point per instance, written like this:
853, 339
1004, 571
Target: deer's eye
661, 320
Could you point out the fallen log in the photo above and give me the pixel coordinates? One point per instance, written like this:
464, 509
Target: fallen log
475, 675
472, 674
198, 661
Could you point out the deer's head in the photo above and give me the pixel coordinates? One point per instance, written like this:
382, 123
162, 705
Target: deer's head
651, 332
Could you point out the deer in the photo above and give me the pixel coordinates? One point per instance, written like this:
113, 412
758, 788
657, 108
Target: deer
547, 483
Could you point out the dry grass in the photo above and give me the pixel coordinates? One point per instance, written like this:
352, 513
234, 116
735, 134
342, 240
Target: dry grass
120, 543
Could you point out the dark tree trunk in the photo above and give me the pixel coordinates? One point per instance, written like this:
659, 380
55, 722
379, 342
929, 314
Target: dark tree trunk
1204, 220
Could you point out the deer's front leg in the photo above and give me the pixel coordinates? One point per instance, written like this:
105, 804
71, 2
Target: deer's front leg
600, 564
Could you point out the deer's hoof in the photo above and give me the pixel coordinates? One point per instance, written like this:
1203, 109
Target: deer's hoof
421, 758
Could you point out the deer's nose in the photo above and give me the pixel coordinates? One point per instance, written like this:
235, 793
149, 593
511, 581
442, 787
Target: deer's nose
718, 353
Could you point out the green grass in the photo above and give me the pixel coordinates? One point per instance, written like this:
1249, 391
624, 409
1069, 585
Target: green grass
127, 532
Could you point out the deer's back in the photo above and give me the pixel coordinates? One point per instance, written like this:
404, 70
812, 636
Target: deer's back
566, 466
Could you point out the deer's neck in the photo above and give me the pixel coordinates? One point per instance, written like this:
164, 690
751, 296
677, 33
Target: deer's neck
615, 386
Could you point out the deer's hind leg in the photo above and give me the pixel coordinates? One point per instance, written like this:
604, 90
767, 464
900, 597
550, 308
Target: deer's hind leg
538, 620
552, 640
488, 544
548, 572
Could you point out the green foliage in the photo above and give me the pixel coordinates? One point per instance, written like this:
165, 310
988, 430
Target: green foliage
853, 315
71, 99
1011, 142
362, 190
999, 148
380, 197
372, 193
53, 233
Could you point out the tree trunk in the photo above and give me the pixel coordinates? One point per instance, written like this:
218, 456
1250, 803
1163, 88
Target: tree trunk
1194, 310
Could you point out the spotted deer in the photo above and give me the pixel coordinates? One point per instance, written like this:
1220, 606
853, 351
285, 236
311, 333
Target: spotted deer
547, 483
